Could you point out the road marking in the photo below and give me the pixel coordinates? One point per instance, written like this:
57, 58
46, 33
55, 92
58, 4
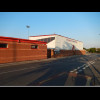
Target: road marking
70, 80
78, 68
76, 72
71, 71
92, 62
88, 81
37, 67
88, 64
74, 69
84, 68
82, 65
52, 77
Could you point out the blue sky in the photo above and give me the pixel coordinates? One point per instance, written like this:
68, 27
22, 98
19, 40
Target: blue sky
82, 26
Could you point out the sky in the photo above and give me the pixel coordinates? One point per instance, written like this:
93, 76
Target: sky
82, 26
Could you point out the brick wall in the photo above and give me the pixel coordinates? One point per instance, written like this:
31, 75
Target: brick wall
64, 53
21, 52
81, 52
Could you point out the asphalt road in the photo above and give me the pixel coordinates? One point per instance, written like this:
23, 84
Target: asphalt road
82, 70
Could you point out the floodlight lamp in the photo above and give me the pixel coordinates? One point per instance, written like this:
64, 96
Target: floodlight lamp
28, 26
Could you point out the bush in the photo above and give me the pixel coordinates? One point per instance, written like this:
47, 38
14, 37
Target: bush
92, 50
98, 50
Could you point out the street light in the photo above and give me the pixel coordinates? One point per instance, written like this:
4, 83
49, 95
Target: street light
28, 30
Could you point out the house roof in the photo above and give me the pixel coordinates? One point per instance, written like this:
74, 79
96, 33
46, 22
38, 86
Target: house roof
2, 38
58, 35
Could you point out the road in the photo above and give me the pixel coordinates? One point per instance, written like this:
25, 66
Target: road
81, 70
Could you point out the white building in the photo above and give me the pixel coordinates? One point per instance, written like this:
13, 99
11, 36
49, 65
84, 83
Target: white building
58, 42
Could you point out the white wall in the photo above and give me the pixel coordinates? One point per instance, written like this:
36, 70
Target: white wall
60, 43
64, 44
51, 45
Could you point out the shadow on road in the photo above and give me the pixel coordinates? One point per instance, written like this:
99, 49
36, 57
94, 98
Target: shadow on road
53, 73
58, 72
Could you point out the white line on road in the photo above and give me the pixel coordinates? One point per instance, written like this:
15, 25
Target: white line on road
84, 68
93, 62
82, 65
74, 69
71, 71
78, 68
76, 72
88, 81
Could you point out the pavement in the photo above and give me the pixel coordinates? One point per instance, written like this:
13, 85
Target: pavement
80, 70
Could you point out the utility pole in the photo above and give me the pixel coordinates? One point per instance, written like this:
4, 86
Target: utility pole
28, 30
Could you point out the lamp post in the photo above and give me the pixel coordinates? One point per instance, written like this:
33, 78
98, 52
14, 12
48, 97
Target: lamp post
28, 30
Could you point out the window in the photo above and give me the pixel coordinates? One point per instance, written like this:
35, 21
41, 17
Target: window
52, 38
3, 45
34, 46
48, 39
41, 39
45, 40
